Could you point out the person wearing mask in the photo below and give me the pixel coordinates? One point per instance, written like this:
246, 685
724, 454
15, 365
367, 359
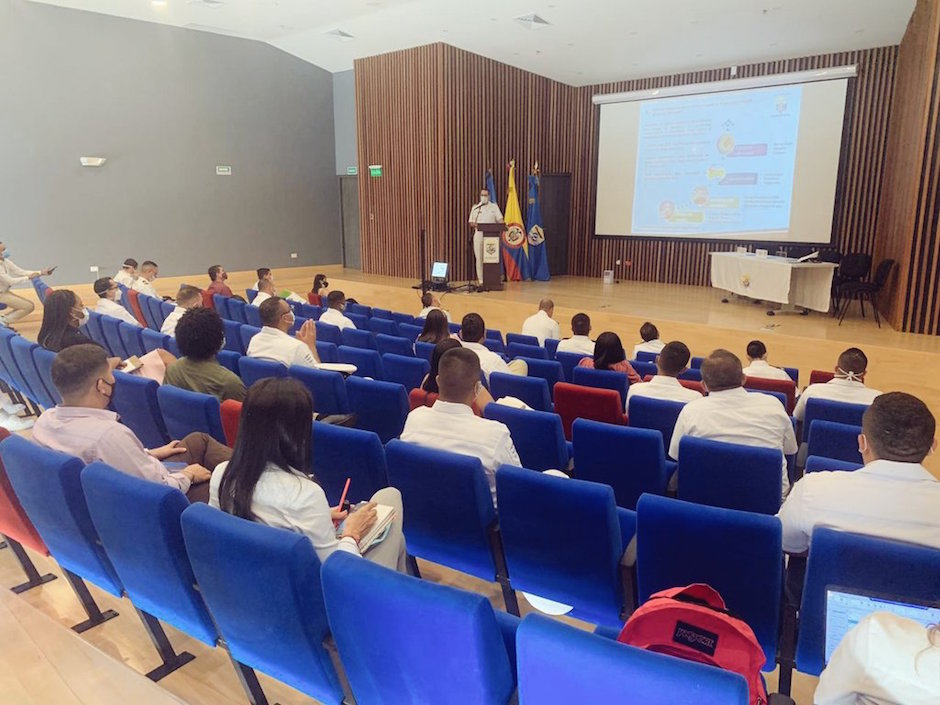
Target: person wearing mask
265, 291
580, 341
109, 294
334, 314
264, 273
321, 287
672, 362
144, 283
651, 342
62, 316
483, 212
10, 275
472, 335
609, 355
758, 365
217, 277
435, 328
188, 297
848, 385
269, 479
200, 335
431, 303
541, 324
83, 426
451, 424
274, 342
127, 275
429, 383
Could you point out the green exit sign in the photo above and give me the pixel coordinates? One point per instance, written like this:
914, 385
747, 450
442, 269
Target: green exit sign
375, 170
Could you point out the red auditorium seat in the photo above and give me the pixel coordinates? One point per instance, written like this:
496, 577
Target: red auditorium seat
573, 401
786, 387
135, 305
820, 376
687, 383
231, 412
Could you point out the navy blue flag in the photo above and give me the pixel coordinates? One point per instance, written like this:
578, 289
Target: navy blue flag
538, 257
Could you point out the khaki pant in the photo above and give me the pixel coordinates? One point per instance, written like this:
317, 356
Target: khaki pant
518, 367
201, 449
391, 552
17, 306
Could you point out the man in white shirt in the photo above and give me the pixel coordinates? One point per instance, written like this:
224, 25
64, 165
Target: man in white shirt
472, 334
580, 341
333, 315
265, 291
10, 275
274, 343
758, 365
128, 273
847, 386
144, 283
451, 424
482, 212
672, 362
186, 298
541, 324
651, 342
109, 293
430, 303
265, 273
893, 496
731, 414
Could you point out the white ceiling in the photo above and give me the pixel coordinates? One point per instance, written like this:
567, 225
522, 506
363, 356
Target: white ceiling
588, 41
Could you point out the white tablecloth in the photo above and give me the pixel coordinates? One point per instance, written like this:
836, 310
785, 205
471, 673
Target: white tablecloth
777, 279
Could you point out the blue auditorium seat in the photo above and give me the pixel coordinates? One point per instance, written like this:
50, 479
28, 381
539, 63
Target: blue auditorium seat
252, 369
379, 406
354, 338
327, 388
831, 439
568, 362
393, 344
368, 362
815, 463
602, 379
522, 339
131, 336
537, 352
135, 401
339, 453
537, 436
185, 412
406, 370
531, 390
384, 326
657, 414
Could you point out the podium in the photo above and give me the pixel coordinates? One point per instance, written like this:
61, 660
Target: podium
492, 256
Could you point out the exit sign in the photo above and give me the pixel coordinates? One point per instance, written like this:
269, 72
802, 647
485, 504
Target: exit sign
352, 170
375, 170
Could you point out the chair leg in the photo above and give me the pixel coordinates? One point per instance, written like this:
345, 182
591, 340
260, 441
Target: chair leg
95, 615
413, 566
787, 655
874, 310
171, 659
502, 571
33, 578
250, 684
330, 645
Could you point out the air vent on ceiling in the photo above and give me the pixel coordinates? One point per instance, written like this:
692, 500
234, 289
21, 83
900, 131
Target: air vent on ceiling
532, 21
339, 34
206, 3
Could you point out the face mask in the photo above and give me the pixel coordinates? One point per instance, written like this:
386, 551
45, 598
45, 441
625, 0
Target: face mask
85, 317
117, 295
224, 276
110, 386
292, 319
484, 199
223, 343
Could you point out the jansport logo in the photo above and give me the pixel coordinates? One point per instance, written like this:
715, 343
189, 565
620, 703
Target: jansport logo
695, 638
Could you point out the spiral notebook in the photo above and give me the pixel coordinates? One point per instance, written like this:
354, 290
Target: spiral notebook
376, 535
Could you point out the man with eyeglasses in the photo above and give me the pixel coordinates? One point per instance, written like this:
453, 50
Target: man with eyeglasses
109, 294
275, 343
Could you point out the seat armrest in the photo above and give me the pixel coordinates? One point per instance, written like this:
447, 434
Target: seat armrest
508, 624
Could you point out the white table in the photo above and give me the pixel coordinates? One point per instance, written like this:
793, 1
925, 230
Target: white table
778, 279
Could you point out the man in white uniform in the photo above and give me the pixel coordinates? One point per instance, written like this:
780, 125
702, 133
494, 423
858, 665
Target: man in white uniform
672, 362
847, 386
10, 275
334, 314
186, 298
651, 342
128, 273
430, 303
274, 343
541, 324
109, 293
482, 212
144, 283
472, 335
580, 341
265, 291
758, 365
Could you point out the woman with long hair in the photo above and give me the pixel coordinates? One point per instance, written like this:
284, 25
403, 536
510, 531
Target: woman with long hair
435, 328
609, 355
320, 285
429, 384
268, 479
62, 315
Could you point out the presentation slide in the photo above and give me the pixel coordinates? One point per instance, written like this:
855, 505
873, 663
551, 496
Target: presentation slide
758, 164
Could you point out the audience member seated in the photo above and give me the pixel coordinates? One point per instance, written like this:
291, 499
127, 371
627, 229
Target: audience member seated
472, 334
609, 355
144, 282
847, 386
333, 315
217, 277
451, 424
580, 341
733, 415
672, 361
431, 303
268, 479
429, 383
758, 365
62, 315
541, 324
188, 297
321, 287
265, 291
435, 328
127, 275
884, 659
651, 342
83, 426
109, 293
274, 343
894, 496
265, 273
200, 335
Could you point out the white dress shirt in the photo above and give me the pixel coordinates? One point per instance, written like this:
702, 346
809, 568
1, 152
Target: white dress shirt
291, 500
542, 326
883, 660
107, 307
662, 387
427, 309
169, 323
143, 285
487, 213
335, 318
260, 298
489, 361
274, 344
579, 344
836, 389
124, 277
737, 416
11, 275
764, 370
455, 428
885, 498
653, 346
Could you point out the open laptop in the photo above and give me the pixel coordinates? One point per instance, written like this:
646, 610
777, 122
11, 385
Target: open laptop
846, 607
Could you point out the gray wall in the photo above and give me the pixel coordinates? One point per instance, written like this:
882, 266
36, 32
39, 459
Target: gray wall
165, 106
344, 119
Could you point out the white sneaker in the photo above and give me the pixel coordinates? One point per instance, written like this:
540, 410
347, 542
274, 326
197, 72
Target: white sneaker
15, 423
13, 409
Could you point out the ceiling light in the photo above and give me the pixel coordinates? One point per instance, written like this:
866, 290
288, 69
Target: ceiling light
158, 3
340, 35
532, 21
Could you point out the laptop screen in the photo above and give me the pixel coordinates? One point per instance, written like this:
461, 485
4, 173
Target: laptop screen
439, 270
845, 608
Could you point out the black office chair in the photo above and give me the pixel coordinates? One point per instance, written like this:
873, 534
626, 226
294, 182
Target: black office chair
866, 290
853, 268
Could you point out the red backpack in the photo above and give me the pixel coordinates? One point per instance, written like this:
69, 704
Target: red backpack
693, 623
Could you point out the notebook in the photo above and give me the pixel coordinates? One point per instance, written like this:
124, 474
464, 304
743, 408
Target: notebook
846, 607
384, 516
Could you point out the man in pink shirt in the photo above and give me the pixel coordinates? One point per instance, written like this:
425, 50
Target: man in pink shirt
217, 277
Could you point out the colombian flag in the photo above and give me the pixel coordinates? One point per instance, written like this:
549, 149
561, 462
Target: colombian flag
515, 243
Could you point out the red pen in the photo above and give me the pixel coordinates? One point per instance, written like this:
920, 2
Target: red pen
342, 500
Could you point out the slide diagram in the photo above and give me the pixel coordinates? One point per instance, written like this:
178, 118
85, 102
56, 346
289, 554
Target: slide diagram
717, 164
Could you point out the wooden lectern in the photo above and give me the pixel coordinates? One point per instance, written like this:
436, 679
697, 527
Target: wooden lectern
492, 255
